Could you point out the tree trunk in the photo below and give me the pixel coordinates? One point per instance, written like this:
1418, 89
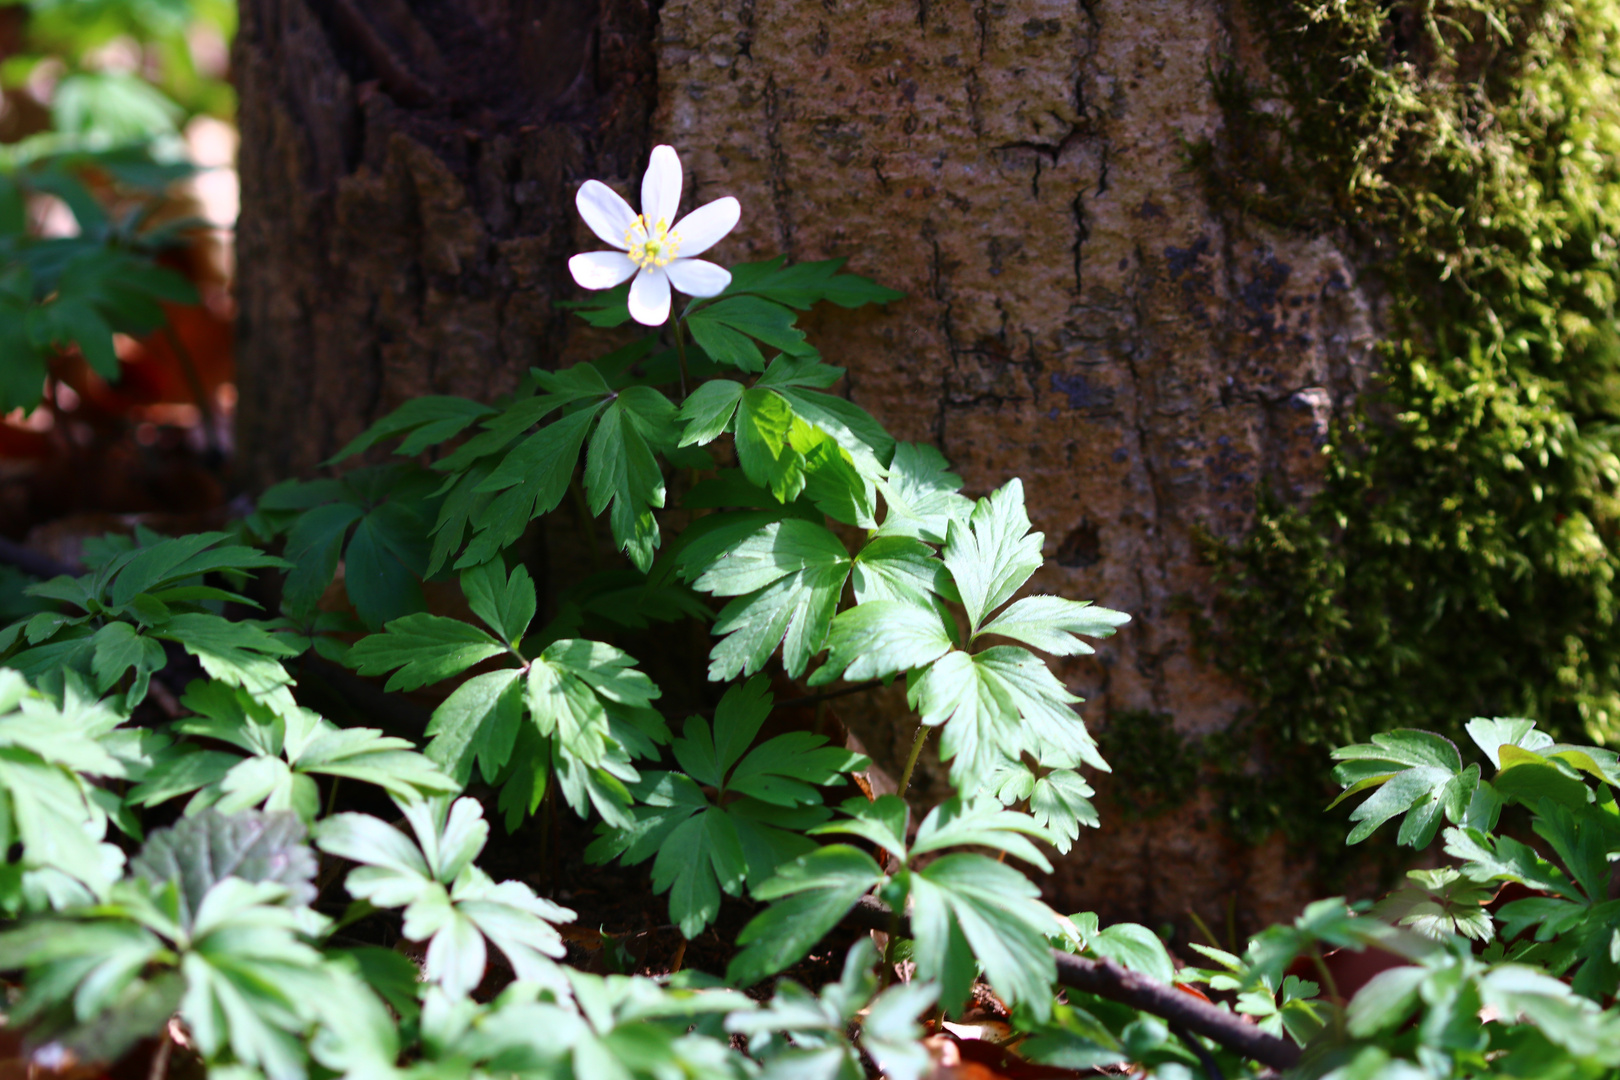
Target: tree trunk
1079, 314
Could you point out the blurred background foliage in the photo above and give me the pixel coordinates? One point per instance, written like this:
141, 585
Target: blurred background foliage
117, 204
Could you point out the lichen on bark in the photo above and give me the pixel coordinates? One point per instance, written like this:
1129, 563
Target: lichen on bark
1460, 558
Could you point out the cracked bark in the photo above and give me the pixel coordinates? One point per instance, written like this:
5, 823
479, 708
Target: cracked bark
1078, 315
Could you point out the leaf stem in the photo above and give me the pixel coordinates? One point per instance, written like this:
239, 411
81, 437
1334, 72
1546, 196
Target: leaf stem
1331, 985
911, 760
680, 353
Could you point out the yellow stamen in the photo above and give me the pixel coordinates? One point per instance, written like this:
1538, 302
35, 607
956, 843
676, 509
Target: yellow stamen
651, 247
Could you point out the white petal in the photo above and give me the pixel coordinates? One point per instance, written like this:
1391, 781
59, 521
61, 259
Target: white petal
607, 214
649, 297
661, 187
601, 269
697, 277
704, 227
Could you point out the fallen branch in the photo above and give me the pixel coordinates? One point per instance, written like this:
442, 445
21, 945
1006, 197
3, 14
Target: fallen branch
1109, 980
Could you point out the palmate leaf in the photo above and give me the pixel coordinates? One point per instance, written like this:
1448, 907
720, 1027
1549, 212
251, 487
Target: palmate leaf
241, 653
812, 895
425, 648
1131, 945
198, 852
816, 1026
285, 749
1051, 623
212, 926
763, 426
803, 285
955, 823
587, 705
968, 908
1436, 903
705, 848
449, 903
787, 577
48, 805
384, 512
620, 468
879, 638
790, 440
585, 699
922, 495
996, 705
424, 421
728, 328
994, 554
1415, 773
529, 481
144, 591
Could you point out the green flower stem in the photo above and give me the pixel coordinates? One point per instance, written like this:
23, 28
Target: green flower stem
680, 354
911, 761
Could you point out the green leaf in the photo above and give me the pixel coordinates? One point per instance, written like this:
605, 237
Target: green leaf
478, 722
954, 823
737, 720
1492, 734
792, 573
242, 653
620, 468
198, 852
724, 328
997, 705
832, 481
532, 480
427, 420
804, 284
1415, 773
1437, 903
384, 563
1486, 858
922, 495
506, 602
1051, 623
425, 648
764, 422
1134, 947
120, 647
881, 821
967, 907
869, 445
1386, 1001
879, 638
899, 568
994, 553
812, 894
448, 902
315, 544
700, 858
706, 413
1061, 803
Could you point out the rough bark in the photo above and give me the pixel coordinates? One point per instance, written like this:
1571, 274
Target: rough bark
1078, 314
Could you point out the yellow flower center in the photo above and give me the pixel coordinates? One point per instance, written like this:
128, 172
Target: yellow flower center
651, 246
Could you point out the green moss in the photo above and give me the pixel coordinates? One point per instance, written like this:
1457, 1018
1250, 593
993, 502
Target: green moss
1462, 558
1155, 767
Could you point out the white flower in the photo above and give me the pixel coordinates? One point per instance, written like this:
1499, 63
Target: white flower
659, 256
